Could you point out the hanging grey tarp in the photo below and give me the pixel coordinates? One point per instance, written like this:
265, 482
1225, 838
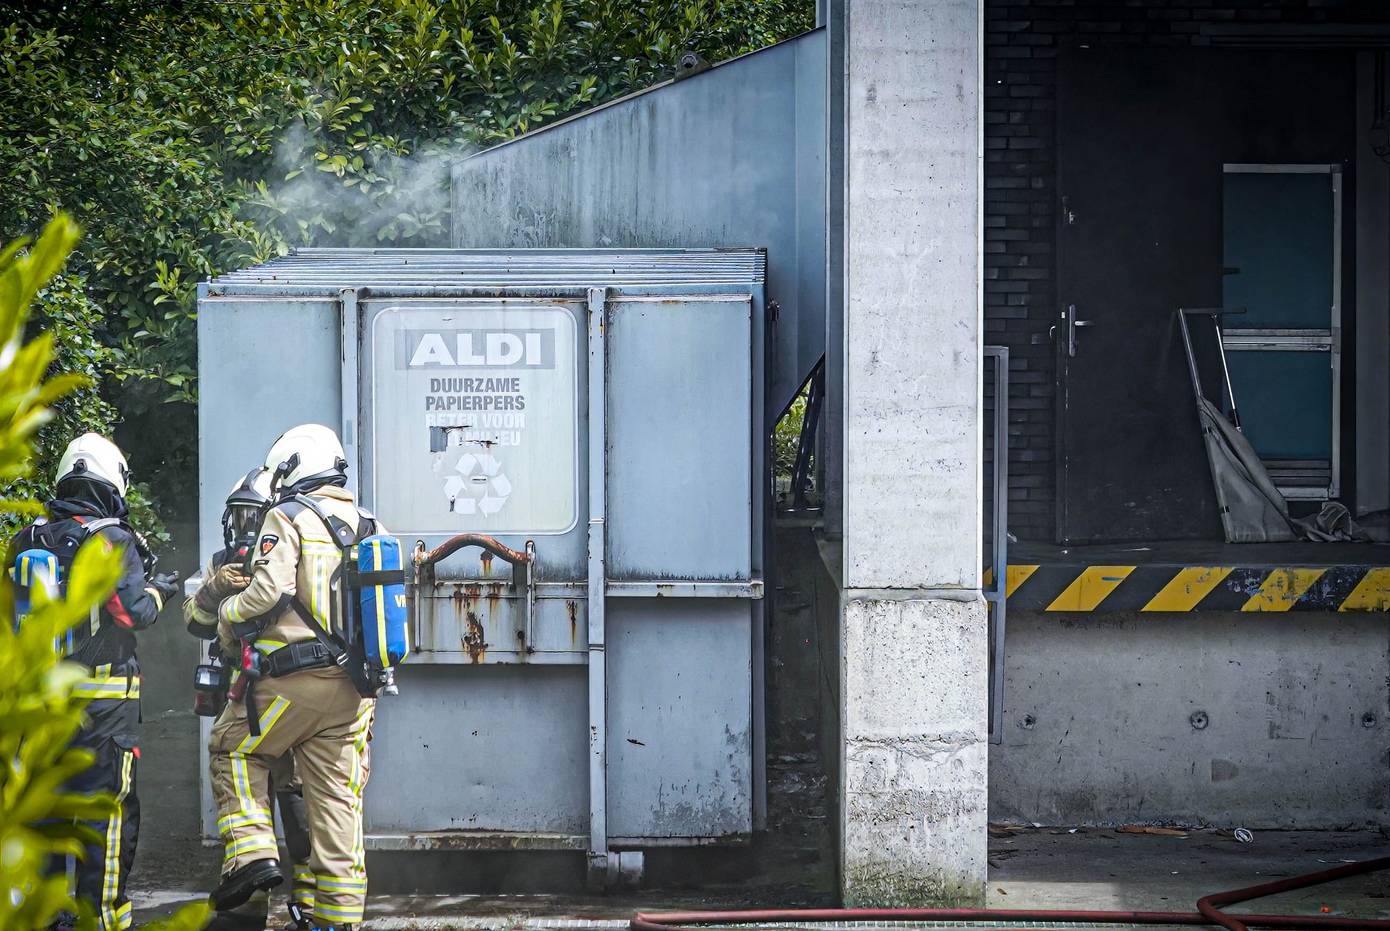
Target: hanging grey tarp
1252, 509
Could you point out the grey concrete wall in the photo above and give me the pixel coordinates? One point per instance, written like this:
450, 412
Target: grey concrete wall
733, 156
913, 788
1281, 721
913, 654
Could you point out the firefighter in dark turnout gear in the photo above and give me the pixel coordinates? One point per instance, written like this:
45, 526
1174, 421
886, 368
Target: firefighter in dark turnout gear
224, 575
89, 505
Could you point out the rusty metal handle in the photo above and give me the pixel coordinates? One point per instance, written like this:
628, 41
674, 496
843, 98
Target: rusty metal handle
424, 573
481, 540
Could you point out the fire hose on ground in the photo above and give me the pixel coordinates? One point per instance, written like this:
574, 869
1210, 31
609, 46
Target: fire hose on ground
1208, 911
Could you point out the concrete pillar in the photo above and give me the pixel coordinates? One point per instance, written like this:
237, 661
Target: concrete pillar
914, 648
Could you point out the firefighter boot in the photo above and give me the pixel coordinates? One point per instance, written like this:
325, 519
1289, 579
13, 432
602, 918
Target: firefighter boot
243, 882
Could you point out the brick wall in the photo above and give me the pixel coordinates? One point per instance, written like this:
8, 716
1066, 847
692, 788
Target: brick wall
1022, 38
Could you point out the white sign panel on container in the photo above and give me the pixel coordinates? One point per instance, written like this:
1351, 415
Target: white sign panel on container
474, 419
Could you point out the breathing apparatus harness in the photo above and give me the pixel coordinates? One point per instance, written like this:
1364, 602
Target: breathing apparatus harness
370, 581
45, 566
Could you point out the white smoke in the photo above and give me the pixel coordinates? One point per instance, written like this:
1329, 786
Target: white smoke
372, 198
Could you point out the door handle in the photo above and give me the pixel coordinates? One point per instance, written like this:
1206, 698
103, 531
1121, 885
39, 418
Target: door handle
1072, 324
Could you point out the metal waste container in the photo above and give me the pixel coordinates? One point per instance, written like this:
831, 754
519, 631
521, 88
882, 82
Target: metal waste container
572, 443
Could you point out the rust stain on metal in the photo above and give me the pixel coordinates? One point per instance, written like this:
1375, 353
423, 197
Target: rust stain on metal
572, 609
469, 838
474, 642
494, 596
459, 599
448, 841
487, 563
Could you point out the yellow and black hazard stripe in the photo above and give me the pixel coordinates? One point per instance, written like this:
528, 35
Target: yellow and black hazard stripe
1168, 588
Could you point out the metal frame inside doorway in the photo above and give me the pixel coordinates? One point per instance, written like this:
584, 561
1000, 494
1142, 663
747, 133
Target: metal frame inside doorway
1329, 340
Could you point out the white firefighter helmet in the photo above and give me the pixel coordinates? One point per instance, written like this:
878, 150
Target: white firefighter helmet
306, 457
94, 456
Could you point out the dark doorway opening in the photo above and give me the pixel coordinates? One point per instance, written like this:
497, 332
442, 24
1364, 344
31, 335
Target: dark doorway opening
1145, 140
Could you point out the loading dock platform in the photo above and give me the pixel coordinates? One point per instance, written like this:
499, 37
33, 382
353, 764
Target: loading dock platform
1183, 576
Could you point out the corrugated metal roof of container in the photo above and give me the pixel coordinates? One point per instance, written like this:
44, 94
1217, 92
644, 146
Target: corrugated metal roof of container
329, 269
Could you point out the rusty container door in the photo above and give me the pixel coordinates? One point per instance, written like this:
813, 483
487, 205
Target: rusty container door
471, 421
681, 544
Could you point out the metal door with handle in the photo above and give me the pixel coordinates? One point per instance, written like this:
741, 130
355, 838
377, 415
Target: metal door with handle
1139, 235
1070, 323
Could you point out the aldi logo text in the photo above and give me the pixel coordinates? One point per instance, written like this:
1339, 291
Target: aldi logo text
475, 349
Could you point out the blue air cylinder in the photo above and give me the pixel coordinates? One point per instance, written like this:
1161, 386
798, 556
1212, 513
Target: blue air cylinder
37, 570
385, 617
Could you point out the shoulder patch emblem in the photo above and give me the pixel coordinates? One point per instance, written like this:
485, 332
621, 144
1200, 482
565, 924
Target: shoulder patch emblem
268, 543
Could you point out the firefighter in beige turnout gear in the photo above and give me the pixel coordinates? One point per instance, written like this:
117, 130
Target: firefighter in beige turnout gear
224, 576
304, 699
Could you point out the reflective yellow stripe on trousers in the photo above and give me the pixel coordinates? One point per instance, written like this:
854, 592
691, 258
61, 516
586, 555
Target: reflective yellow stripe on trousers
256, 818
339, 884
357, 781
252, 817
267, 720
344, 914
114, 918
304, 886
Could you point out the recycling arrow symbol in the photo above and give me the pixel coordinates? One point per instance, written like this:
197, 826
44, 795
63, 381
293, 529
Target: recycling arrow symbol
479, 485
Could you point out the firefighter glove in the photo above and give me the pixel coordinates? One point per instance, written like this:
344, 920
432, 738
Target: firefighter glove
166, 583
206, 601
225, 582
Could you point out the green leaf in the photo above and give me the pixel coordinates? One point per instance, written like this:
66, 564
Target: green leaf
182, 136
